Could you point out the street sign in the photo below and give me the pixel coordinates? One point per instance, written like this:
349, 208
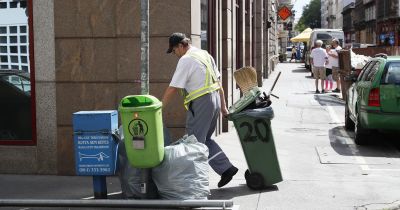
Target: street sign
95, 148
284, 13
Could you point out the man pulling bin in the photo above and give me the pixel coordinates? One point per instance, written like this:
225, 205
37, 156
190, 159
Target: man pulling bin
197, 77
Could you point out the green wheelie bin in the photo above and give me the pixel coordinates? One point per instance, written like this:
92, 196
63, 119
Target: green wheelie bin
143, 130
254, 129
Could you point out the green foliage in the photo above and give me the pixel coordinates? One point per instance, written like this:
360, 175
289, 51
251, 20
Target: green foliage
311, 16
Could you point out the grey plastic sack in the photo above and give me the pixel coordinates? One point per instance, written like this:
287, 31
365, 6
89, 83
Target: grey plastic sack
130, 177
183, 174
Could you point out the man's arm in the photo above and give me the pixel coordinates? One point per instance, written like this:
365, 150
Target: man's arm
333, 53
224, 109
168, 94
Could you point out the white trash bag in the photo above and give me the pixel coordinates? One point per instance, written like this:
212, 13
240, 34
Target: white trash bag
183, 174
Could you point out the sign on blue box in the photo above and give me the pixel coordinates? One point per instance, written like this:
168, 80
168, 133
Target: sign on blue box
95, 147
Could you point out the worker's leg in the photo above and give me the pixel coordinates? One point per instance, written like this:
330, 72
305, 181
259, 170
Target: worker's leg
201, 121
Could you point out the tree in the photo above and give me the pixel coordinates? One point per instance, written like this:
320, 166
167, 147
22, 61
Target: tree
311, 16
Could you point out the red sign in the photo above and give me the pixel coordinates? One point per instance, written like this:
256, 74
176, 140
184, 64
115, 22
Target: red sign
284, 13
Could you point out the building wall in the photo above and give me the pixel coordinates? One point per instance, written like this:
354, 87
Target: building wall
87, 57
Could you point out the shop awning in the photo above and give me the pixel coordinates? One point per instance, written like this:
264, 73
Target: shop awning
303, 36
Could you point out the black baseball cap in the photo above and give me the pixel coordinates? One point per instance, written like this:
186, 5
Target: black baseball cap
175, 39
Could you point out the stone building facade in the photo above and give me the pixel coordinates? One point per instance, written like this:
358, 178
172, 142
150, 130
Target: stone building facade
374, 22
86, 56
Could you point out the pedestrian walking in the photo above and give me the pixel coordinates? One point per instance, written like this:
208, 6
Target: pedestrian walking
333, 54
319, 58
328, 69
197, 77
294, 51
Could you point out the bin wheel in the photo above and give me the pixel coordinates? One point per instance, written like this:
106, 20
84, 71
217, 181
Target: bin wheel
255, 181
246, 174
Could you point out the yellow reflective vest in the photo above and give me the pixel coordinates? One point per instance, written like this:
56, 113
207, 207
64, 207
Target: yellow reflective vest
211, 82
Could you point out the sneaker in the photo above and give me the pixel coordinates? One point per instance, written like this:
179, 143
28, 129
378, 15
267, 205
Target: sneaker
317, 91
323, 91
336, 90
226, 177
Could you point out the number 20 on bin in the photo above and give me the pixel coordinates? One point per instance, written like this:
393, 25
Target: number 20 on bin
256, 125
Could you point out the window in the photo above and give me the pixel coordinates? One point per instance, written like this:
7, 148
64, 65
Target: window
13, 29
14, 4
22, 29
3, 49
17, 98
13, 39
3, 5
365, 69
3, 30
372, 72
23, 49
3, 40
392, 74
14, 47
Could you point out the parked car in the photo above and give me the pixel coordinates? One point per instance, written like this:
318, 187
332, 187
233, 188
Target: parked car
288, 52
15, 105
373, 100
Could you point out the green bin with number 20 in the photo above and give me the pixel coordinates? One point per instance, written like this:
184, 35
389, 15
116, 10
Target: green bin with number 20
254, 129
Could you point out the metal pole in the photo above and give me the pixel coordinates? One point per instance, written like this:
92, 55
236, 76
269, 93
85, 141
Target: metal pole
145, 183
223, 204
144, 47
144, 77
100, 187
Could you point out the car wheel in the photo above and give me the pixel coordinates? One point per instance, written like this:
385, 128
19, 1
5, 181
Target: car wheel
361, 137
348, 123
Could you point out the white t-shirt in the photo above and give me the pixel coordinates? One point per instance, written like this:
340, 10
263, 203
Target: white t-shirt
190, 74
331, 60
335, 61
319, 56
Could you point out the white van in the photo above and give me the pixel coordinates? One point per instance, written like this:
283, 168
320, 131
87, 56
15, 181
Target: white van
326, 36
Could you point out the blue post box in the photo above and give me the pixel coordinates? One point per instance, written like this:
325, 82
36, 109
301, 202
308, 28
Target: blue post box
95, 148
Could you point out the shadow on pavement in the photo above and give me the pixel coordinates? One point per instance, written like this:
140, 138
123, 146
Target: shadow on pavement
383, 146
329, 99
232, 192
302, 70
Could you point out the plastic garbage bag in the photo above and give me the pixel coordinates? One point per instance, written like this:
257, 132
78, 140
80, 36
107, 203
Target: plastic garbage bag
265, 113
183, 174
130, 177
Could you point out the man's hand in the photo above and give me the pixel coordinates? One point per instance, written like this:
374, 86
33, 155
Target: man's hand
168, 94
224, 111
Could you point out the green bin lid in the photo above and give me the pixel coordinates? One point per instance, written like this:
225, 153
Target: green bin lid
139, 103
244, 101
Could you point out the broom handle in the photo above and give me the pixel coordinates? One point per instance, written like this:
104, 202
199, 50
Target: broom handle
273, 86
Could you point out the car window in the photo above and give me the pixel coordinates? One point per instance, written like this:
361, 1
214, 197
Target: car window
19, 82
365, 69
372, 72
392, 75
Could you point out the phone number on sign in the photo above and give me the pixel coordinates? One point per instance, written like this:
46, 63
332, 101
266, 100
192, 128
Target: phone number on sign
94, 170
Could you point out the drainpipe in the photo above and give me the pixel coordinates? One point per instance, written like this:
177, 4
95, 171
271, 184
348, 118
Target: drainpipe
144, 46
144, 77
